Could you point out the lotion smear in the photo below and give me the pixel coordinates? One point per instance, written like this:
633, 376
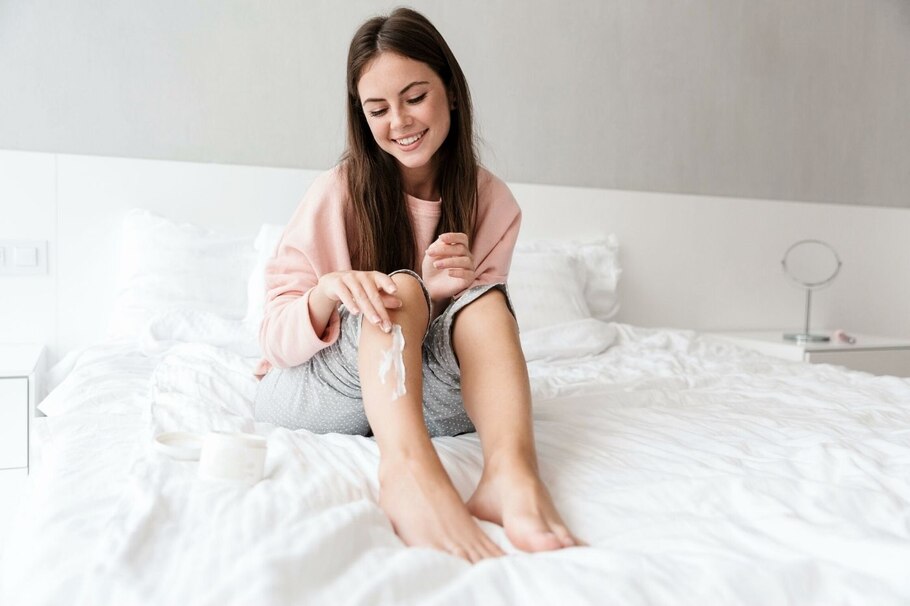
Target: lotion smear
393, 358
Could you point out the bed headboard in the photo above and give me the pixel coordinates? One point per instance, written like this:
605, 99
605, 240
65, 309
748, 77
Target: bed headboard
688, 261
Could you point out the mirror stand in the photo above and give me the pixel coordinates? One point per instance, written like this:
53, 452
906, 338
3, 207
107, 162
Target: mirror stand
806, 336
812, 264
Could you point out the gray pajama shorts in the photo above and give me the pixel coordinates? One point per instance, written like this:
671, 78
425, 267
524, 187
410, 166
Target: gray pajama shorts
323, 394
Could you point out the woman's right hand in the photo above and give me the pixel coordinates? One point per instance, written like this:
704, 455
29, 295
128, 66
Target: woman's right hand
367, 292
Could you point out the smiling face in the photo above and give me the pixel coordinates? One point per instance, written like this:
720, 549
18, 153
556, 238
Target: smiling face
407, 108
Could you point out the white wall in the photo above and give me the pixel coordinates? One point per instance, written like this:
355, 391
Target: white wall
28, 211
772, 99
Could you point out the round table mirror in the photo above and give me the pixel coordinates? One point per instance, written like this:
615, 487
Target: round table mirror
812, 264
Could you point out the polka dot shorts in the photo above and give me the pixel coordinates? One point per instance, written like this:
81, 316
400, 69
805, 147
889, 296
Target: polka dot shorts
323, 394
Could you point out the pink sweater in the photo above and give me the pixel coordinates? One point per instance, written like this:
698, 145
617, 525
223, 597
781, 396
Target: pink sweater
315, 243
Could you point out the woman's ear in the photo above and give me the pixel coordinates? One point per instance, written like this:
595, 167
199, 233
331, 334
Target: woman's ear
451, 102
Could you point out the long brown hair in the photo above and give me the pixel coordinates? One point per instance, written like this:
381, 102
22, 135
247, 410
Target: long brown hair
381, 236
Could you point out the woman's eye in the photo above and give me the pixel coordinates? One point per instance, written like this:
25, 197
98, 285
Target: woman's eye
377, 113
417, 100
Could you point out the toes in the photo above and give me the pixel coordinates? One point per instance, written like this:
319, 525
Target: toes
484, 548
565, 537
542, 541
533, 534
459, 551
494, 549
550, 541
489, 549
477, 552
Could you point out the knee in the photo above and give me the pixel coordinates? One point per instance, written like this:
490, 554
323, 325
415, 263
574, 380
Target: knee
411, 294
492, 305
493, 298
489, 311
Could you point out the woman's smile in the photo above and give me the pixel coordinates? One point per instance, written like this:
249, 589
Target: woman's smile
410, 142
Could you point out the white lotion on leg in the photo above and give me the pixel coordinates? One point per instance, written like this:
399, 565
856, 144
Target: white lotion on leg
393, 357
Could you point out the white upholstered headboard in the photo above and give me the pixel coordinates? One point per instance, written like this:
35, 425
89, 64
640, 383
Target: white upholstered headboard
688, 261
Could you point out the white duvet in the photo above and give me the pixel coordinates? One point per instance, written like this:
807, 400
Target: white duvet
697, 472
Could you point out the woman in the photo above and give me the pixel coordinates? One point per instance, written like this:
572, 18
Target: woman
403, 250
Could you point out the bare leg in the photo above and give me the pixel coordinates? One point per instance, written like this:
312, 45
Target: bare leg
415, 491
497, 398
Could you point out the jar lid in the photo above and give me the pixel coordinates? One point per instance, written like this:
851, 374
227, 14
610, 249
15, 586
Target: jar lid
181, 445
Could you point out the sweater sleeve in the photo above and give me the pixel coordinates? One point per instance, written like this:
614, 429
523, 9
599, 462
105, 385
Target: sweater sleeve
498, 222
313, 243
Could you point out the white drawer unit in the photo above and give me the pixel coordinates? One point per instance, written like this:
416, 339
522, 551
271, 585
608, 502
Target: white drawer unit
869, 353
19, 384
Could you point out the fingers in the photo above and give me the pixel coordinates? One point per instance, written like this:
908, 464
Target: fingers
390, 302
369, 293
386, 285
454, 238
450, 252
441, 251
385, 282
461, 267
454, 263
371, 302
464, 274
447, 244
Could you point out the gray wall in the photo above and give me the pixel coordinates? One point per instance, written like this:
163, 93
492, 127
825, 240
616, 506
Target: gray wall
781, 99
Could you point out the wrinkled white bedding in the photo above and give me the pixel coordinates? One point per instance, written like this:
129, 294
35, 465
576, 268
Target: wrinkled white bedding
697, 471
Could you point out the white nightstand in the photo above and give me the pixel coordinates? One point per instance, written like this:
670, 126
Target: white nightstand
876, 355
20, 376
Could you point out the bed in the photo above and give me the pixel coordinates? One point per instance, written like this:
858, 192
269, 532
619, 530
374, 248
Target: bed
697, 472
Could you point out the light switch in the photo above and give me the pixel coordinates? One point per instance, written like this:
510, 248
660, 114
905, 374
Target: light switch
26, 257
23, 257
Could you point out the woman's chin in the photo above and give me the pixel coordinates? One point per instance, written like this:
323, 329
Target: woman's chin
412, 162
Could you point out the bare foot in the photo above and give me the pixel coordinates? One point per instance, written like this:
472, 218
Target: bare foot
426, 511
514, 497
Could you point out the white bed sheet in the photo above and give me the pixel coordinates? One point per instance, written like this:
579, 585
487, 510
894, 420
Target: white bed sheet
697, 471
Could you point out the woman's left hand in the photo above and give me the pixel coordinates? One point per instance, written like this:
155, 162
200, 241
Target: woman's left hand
448, 266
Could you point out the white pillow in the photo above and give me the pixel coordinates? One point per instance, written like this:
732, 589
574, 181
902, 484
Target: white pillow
585, 337
111, 378
176, 326
546, 288
266, 244
166, 266
599, 260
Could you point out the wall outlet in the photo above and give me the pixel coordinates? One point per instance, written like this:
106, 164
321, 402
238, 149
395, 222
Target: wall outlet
23, 257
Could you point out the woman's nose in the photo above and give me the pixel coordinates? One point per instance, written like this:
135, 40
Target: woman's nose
400, 118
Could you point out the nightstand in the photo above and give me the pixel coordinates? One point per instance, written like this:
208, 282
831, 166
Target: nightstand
873, 354
20, 373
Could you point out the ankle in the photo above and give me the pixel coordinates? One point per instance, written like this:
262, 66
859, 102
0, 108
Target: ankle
413, 458
511, 461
